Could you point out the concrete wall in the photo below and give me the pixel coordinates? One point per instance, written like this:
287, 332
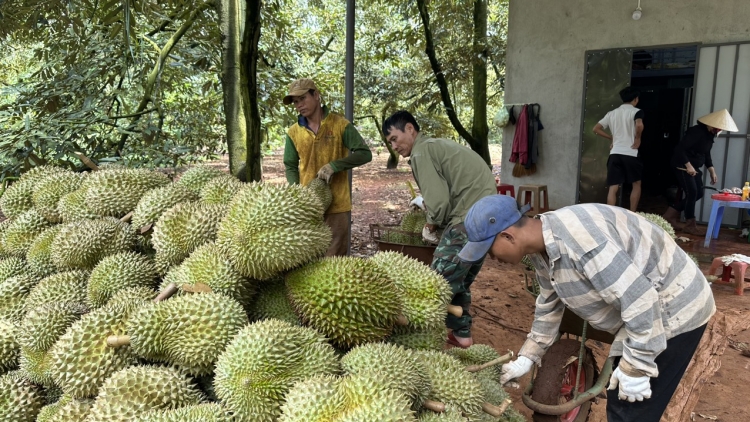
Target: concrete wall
547, 41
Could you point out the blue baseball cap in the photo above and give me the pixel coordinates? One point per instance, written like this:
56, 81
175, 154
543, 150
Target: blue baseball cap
486, 218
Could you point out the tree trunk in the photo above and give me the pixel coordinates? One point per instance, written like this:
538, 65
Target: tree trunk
231, 22
479, 128
250, 38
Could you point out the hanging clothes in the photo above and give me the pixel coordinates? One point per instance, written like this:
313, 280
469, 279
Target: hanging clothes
535, 125
520, 152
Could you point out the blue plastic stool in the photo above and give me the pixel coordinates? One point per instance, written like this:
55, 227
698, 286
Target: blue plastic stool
717, 213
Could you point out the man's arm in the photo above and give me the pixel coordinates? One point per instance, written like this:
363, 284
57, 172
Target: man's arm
291, 162
433, 187
547, 317
360, 153
638, 133
599, 130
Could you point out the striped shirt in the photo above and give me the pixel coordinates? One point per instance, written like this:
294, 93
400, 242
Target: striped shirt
623, 275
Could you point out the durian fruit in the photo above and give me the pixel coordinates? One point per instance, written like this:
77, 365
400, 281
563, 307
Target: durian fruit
660, 222
81, 359
72, 207
221, 189
82, 244
67, 409
50, 189
22, 231
20, 400
322, 191
317, 399
263, 361
8, 346
399, 367
451, 383
348, 299
154, 202
447, 416
430, 339
195, 178
495, 394
478, 354
116, 192
272, 302
13, 293
207, 267
12, 266
182, 229
143, 294
424, 293
207, 412
17, 199
39, 255
187, 331
130, 392
271, 229
3, 226
119, 271
68, 286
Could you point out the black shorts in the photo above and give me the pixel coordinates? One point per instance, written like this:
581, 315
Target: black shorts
623, 169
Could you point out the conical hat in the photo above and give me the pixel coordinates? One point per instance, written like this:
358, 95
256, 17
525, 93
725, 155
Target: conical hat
720, 120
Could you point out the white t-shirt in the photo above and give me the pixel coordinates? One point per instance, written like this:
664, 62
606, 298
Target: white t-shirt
622, 123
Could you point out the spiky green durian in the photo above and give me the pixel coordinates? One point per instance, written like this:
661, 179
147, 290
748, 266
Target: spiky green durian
448, 416
263, 361
67, 409
36, 366
348, 299
116, 192
208, 412
451, 383
130, 392
478, 354
660, 222
39, 255
22, 231
154, 202
195, 178
413, 221
187, 331
432, 339
143, 294
50, 189
221, 189
68, 286
495, 394
400, 368
322, 192
13, 293
3, 226
17, 199
206, 265
316, 399
82, 244
272, 302
8, 345
20, 400
182, 229
119, 271
271, 229
72, 207
423, 292
12, 266
43, 325
81, 359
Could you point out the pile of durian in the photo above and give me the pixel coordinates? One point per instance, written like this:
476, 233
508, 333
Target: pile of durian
126, 296
409, 232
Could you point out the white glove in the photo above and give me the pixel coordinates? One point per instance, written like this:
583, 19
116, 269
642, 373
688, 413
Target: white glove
417, 202
515, 369
631, 388
428, 236
325, 173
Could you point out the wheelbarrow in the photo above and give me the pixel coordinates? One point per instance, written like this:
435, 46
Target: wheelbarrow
569, 379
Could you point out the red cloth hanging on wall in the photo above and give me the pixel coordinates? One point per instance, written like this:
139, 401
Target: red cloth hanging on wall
520, 152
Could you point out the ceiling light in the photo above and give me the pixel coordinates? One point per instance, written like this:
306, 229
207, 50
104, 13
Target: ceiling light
638, 12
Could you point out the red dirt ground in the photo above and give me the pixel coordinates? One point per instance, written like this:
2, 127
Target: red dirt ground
503, 311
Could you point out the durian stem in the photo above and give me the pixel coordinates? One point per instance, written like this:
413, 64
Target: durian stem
493, 362
433, 405
505, 405
147, 228
165, 294
455, 310
126, 218
402, 321
495, 411
411, 190
118, 341
86, 160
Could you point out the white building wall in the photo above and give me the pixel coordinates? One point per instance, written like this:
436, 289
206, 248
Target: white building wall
547, 41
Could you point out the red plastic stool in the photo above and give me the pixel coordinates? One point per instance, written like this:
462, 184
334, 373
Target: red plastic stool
504, 189
738, 268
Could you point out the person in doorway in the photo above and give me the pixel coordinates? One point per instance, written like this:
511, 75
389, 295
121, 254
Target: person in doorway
614, 269
318, 145
451, 178
623, 166
689, 156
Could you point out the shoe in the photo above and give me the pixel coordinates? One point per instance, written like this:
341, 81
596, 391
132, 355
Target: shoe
673, 217
691, 228
462, 342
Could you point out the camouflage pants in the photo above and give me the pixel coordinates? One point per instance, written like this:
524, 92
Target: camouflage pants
458, 275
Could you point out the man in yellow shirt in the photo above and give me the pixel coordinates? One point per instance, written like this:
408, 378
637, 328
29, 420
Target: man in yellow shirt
318, 145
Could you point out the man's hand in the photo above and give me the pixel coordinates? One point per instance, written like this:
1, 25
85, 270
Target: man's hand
418, 202
515, 369
325, 173
636, 144
690, 169
429, 234
631, 388
712, 173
